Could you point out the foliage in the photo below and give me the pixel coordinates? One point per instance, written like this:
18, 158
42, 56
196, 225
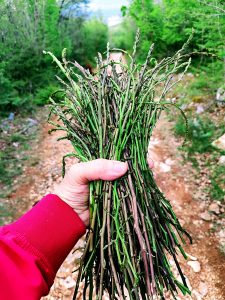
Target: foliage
12, 157
29, 27
170, 22
122, 35
208, 78
217, 177
94, 40
43, 94
9, 95
201, 133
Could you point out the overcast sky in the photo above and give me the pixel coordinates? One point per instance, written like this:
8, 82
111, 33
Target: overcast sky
109, 9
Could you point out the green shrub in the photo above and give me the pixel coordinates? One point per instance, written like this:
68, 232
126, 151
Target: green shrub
200, 134
217, 189
9, 167
208, 78
43, 94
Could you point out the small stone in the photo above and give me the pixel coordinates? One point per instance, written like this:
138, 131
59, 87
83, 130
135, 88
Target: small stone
154, 141
220, 142
182, 222
169, 161
195, 265
32, 122
214, 207
199, 109
221, 234
197, 295
206, 216
68, 283
222, 160
197, 222
164, 167
220, 95
203, 289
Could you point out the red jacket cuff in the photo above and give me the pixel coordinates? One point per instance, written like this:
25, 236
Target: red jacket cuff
52, 227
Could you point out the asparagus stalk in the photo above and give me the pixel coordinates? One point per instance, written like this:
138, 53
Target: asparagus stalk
133, 228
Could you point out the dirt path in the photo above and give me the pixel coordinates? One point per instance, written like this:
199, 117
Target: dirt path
172, 177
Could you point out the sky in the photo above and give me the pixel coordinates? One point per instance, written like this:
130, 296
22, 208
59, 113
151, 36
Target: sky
108, 9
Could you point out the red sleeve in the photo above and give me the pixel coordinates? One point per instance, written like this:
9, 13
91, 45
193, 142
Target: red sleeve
33, 248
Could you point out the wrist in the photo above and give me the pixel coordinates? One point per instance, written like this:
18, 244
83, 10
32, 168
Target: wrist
67, 197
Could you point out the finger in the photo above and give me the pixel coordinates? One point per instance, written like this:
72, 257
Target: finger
98, 169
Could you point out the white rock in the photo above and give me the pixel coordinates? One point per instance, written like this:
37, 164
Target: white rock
221, 234
214, 207
154, 141
182, 222
197, 295
203, 289
169, 161
195, 265
197, 222
222, 160
164, 167
15, 144
206, 216
199, 109
220, 142
184, 106
189, 74
220, 95
68, 283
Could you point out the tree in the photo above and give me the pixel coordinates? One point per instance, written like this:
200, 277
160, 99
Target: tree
122, 35
149, 18
27, 27
94, 39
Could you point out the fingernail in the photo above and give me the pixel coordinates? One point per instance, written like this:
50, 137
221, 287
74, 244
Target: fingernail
119, 167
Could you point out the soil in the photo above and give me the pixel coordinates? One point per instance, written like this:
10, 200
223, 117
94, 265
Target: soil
172, 176
176, 186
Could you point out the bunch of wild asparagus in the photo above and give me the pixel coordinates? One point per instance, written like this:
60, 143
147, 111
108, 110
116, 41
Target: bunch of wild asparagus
133, 229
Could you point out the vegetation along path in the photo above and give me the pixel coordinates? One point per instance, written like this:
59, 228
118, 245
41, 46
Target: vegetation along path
205, 265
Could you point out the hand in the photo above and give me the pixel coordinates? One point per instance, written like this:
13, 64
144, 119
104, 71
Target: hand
74, 188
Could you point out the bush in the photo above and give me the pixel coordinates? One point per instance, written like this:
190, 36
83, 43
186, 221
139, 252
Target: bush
201, 133
208, 78
9, 97
43, 94
122, 35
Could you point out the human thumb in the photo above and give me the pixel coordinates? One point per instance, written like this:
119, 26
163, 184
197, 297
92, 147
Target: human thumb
103, 169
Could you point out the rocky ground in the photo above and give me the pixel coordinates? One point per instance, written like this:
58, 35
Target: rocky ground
205, 266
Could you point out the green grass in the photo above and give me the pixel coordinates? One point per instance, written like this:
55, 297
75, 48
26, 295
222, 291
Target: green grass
202, 86
9, 166
202, 132
217, 191
17, 137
